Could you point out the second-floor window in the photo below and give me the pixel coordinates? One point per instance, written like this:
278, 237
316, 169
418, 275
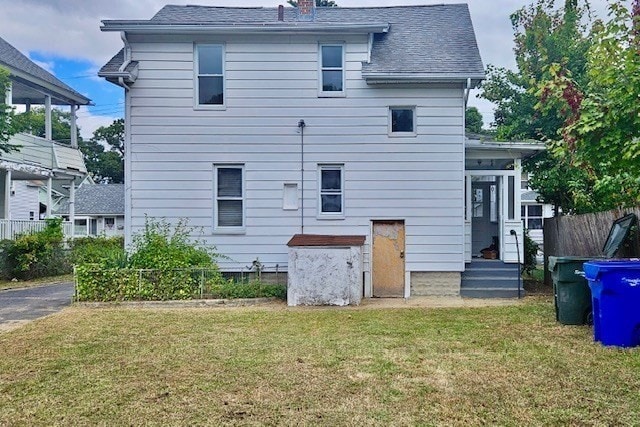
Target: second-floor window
402, 121
331, 70
210, 74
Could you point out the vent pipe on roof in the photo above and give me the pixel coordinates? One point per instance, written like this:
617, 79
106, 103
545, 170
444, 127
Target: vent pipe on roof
281, 13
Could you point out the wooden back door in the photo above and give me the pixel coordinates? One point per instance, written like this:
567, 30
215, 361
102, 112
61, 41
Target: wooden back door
388, 259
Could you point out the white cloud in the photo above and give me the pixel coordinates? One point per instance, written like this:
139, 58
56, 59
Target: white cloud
88, 123
47, 65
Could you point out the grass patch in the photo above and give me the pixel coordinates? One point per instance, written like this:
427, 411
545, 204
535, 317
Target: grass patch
7, 284
500, 366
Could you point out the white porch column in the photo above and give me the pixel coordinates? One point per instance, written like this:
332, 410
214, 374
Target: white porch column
7, 195
74, 127
72, 204
49, 199
8, 95
47, 117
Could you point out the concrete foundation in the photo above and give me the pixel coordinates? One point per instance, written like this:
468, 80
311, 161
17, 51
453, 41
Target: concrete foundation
435, 284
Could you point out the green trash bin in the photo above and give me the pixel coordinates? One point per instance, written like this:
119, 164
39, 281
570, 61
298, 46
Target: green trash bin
572, 296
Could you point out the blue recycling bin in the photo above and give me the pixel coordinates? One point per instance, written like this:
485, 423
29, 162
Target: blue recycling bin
615, 293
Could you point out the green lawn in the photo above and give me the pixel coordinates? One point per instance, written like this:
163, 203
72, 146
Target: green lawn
500, 366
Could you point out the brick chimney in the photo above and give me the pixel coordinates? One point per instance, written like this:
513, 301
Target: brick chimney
306, 10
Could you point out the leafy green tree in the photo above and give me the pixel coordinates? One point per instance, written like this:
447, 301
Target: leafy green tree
319, 3
104, 152
473, 120
6, 115
544, 34
33, 122
601, 125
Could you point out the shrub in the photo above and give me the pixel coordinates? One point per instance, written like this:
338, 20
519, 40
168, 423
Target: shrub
38, 254
231, 290
530, 252
106, 251
163, 247
164, 265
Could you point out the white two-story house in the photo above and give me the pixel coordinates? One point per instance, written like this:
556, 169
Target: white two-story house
258, 124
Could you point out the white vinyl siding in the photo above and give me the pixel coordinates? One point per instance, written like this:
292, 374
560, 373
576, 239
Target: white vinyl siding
229, 197
209, 79
271, 83
332, 70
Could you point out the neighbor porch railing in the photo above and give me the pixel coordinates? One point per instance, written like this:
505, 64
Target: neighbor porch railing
10, 228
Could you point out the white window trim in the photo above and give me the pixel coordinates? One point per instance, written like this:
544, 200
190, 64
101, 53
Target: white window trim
332, 94
331, 215
86, 227
229, 230
196, 81
526, 217
415, 122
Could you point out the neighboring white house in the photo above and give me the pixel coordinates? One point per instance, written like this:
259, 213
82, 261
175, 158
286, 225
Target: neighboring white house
99, 210
258, 124
39, 161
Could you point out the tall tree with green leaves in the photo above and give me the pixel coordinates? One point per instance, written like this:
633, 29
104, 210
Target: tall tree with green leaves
33, 122
6, 115
104, 153
319, 3
473, 120
544, 33
600, 133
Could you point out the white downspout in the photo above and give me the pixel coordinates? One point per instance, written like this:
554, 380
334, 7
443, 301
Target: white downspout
127, 141
127, 59
467, 92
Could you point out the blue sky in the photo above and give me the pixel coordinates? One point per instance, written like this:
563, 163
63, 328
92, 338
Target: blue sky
82, 76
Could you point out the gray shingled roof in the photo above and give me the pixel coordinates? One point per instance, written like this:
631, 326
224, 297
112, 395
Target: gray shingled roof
428, 40
529, 196
115, 63
13, 58
97, 199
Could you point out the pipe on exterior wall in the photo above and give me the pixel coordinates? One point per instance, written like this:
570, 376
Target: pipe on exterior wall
301, 126
467, 92
127, 59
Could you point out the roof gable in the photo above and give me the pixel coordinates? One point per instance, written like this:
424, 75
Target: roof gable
434, 42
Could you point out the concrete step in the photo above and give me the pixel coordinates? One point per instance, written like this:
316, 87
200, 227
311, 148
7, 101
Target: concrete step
490, 293
494, 272
490, 282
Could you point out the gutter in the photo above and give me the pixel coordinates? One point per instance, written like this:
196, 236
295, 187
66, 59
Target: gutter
146, 27
388, 78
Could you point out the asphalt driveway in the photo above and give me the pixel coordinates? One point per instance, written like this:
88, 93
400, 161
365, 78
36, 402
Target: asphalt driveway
18, 306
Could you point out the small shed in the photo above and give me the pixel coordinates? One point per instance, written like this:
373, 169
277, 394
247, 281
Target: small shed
325, 270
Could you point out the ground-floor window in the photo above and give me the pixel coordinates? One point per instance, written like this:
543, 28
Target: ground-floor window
532, 216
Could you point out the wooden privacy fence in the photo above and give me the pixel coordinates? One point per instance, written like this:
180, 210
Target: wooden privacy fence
585, 235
